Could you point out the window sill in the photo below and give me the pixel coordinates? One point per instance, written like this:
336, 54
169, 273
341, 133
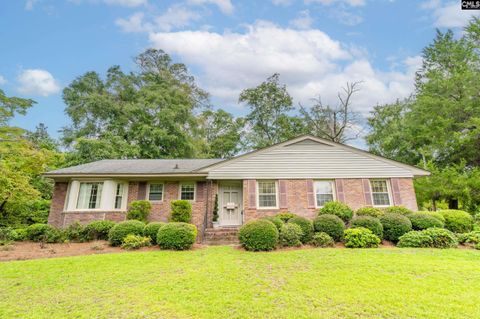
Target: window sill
87, 211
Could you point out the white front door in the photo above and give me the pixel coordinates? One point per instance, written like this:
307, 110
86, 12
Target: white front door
230, 202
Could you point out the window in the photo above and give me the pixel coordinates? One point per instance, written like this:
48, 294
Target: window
323, 192
267, 194
187, 191
89, 195
119, 195
380, 193
155, 192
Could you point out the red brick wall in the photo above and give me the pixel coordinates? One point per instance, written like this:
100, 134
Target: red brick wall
354, 196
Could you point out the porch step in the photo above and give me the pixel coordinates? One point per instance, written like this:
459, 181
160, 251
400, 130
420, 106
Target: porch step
221, 236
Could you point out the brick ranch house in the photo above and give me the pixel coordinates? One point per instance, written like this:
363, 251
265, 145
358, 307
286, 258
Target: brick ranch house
298, 175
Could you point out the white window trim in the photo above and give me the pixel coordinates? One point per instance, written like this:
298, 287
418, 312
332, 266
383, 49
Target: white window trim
194, 191
148, 192
389, 191
124, 197
334, 191
107, 204
276, 194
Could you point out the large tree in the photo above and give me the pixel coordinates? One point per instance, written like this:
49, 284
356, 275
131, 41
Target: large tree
336, 123
440, 124
269, 120
149, 113
24, 193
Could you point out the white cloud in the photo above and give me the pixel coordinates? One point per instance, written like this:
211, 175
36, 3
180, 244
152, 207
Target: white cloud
302, 21
2, 80
352, 3
134, 23
29, 4
176, 17
346, 17
284, 3
126, 3
309, 62
37, 82
225, 6
448, 15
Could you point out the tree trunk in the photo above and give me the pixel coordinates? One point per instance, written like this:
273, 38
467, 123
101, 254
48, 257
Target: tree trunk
434, 205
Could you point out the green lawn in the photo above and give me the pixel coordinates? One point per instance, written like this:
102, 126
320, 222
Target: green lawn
222, 282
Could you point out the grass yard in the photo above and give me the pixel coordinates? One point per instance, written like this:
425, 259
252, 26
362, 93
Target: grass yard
224, 282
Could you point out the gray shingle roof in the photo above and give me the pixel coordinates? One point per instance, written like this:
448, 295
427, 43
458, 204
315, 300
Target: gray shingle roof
137, 166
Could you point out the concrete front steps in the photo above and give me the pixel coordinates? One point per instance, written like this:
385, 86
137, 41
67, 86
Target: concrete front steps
221, 236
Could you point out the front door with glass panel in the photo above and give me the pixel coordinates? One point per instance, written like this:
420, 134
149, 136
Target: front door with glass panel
230, 204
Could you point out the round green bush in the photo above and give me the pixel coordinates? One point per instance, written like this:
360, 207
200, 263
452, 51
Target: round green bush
441, 238
369, 211
330, 224
415, 239
472, 237
139, 210
44, 233
135, 242
181, 211
275, 220
21, 234
398, 210
394, 226
360, 238
290, 235
177, 236
421, 221
457, 221
151, 230
97, 230
368, 222
285, 216
74, 232
258, 235
437, 215
118, 232
307, 228
336, 208
7, 234
322, 240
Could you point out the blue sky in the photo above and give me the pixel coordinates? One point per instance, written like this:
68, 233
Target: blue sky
316, 46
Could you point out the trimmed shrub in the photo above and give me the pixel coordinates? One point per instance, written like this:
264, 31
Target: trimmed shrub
398, 210
21, 234
181, 211
307, 228
118, 232
457, 221
74, 232
330, 224
139, 210
97, 230
415, 239
437, 215
258, 235
368, 222
177, 236
360, 238
322, 240
44, 233
135, 242
421, 221
151, 230
336, 208
275, 220
7, 234
472, 237
285, 216
290, 235
441, 238
394, 226
369, 211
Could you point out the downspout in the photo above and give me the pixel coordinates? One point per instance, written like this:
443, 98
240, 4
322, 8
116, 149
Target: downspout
205, 220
